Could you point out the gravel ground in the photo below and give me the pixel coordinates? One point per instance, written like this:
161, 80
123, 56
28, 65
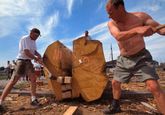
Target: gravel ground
132, 105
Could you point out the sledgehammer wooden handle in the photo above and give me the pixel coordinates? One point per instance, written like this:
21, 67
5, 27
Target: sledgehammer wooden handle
160, 27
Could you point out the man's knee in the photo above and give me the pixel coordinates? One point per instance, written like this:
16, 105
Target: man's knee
32, 78
154, 87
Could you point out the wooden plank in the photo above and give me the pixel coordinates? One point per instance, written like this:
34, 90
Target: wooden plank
148, 106
67, 79
66, 87
28, 93
66, 94
70, 110
54, 85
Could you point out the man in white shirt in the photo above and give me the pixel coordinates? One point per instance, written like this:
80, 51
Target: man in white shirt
24, 66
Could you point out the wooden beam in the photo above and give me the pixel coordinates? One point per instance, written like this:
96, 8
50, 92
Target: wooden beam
70, 110
28, 93
149, 106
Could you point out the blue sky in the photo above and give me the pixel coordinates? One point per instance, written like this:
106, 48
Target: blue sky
66, 20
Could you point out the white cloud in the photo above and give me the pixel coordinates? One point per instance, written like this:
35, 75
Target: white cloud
20, 8
16, 12
47, 29
99, 32
8, 26
149, 6
100, 6
98, 28
70, 6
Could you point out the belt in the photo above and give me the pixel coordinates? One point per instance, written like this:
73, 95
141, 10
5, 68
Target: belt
24, 59
141, 52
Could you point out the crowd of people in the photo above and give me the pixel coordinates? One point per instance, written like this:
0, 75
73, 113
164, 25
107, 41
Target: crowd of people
10, 69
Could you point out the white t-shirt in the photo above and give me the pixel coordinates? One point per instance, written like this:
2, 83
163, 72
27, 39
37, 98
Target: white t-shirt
12, 66
37, 67
26, 43
89, 38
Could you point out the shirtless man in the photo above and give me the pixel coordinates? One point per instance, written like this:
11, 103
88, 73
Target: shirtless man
129, 29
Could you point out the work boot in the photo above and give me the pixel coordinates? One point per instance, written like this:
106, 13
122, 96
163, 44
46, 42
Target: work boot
113, 108
35, 103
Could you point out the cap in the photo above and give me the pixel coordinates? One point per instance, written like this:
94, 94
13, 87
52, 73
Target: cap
35, 30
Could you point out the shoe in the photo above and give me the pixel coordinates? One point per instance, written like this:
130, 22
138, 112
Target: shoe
35, 103
2, 108
112, 110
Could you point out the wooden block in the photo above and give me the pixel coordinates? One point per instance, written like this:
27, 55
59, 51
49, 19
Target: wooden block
40, 83
67, 79
60, 79
70, 110
67, 94
66, 87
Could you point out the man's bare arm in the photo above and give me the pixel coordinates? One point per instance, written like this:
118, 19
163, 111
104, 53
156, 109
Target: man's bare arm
120, 35
124, 35
30, 55
155, 25
37, 54
36, 57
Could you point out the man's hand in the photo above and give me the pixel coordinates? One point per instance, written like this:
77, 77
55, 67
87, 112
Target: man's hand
146, 31
39, 60
160, 29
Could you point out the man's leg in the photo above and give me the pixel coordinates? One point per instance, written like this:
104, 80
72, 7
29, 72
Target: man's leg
116, 89
34, 100
8, 87
32, 78
115, 105
159, 96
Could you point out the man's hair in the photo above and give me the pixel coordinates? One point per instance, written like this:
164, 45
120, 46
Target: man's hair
116, 3
35, 30
86, 31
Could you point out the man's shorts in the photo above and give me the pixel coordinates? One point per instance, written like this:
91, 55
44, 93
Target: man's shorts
23, 67
140, 63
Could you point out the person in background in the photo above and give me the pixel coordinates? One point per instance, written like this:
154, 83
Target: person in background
87, 35
129, 30
8, 70
24, 66
13, 66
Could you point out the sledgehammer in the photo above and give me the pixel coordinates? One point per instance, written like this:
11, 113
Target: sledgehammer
159, 27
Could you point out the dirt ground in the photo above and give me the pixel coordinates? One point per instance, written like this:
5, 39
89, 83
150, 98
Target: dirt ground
16, 104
